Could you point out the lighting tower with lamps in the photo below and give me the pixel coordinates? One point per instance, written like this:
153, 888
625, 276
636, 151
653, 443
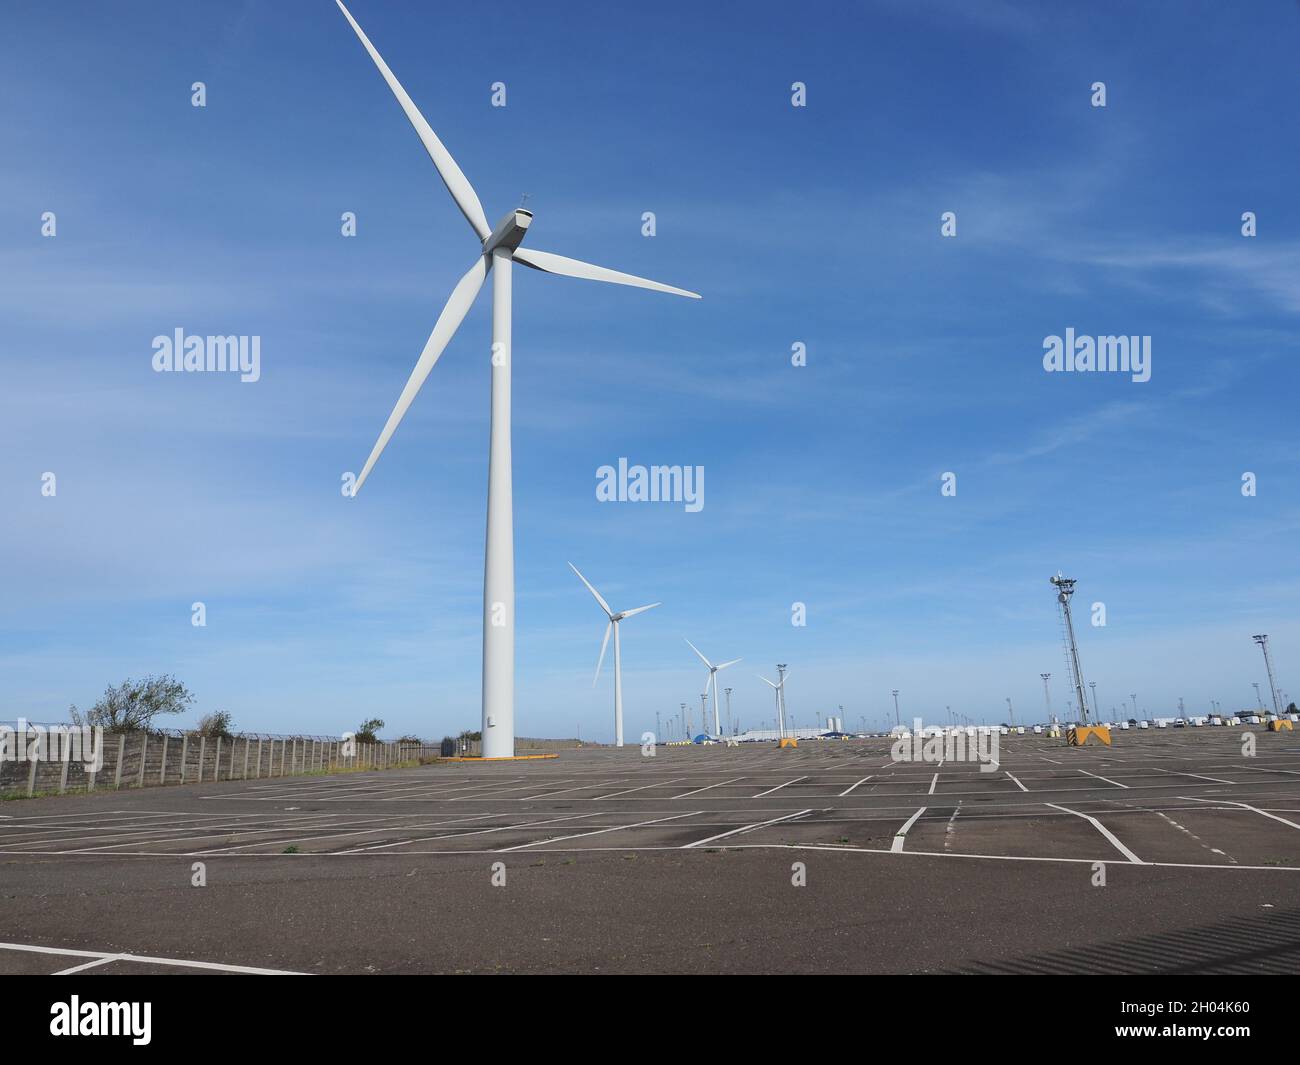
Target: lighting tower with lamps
1065, 589
1262, 640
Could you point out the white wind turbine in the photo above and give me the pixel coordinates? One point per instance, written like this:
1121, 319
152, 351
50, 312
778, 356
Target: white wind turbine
713, 680
614, 619
780, 701
500, 248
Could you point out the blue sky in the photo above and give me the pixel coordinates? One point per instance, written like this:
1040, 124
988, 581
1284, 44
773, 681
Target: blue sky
818, 225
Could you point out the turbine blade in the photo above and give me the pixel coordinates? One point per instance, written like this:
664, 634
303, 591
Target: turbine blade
765, 680
697, 651
458, 305
640, 610
550, 263
603, 605
603, 644
457, 183
724, 665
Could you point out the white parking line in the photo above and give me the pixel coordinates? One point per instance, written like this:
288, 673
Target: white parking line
901, 834
852, 786
746, 828
1103, 830
932, 784
597, 832
562, 791
656, 784
721, 784
1098, 776
1017, 782
778, 787
1246, 806
147, 960
1198, 776
88, 965
458, 835
385, 826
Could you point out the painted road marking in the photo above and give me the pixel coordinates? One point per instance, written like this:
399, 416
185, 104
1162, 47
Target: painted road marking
1104, 831
901, 834
778, 787
1247, 806
852, 786
745, 828
597, 832
721, 784
144, 959
1098, 776
1017, 782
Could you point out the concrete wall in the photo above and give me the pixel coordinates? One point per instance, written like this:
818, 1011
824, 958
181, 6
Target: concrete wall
151, 759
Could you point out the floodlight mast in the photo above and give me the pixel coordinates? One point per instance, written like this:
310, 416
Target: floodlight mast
1262, 640
1065, 589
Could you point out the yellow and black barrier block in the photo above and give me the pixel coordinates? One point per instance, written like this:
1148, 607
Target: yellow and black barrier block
1081, 734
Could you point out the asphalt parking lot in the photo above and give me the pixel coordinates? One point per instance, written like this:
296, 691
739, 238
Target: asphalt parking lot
1170, 852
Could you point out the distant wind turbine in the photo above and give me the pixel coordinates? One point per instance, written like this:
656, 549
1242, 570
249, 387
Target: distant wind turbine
499, 248
614, 619
780, 701
713, 680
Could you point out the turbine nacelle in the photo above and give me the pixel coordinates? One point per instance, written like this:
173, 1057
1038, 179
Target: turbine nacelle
509, 232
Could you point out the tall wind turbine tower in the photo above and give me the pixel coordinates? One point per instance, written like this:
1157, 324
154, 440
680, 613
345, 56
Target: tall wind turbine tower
499, 249
614, 619
712, 682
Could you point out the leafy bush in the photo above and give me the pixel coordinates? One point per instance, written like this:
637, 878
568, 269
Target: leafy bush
135, 704
215, 724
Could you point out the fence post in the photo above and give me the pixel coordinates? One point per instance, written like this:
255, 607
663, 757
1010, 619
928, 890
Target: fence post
185, 751
65, 753
216, 765
33, 753
258, 774
121, 757
245, 776
203, 746
144, 749
162, 773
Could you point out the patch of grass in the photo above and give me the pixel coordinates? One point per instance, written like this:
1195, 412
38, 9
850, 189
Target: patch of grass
291, 849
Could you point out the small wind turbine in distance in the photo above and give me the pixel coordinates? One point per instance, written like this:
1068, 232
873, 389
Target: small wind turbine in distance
713, 680
499, 249
780, 701
614, 619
